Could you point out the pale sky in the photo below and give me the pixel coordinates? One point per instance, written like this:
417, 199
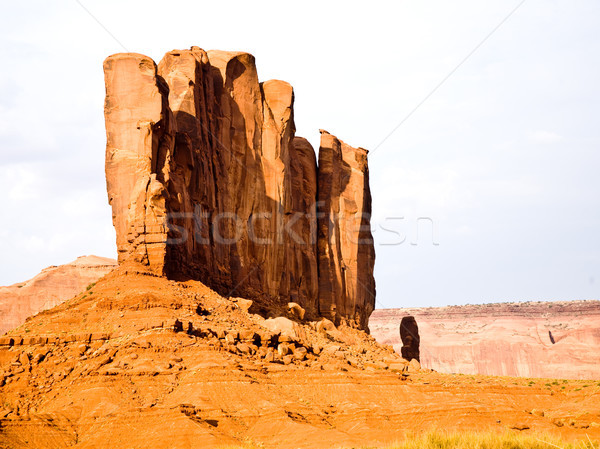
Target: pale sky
503, 157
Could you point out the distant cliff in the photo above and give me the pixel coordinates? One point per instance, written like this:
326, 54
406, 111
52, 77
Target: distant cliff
533, 339
51, 287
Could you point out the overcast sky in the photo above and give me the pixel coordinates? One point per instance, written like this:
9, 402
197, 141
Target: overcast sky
503, 157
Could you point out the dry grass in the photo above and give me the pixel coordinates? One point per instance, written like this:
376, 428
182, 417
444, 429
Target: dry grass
469, 440
488, 440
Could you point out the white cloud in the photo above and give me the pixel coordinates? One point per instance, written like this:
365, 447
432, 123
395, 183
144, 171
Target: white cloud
545, 137
19, 183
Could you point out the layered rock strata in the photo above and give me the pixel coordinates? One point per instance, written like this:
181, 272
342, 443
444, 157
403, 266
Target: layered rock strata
531, 339
51, 287
208, 181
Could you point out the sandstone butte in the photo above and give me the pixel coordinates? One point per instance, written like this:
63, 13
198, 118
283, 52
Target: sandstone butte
150, 356
208, 181
535, 339
51, 287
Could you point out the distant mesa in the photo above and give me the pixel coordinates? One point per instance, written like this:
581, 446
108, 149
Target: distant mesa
536, 339
208, 181
51, 287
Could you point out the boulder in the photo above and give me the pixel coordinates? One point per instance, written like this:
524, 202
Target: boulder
376, 365
397, 366
414, 366
230, 338
243, 304
324, 325
283, 326
244, 348
24, 359
6, 341
296, 311
269, 357
300, 353
284, 349
248, 335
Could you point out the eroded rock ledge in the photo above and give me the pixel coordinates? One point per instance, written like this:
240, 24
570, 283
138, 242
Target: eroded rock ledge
207, 181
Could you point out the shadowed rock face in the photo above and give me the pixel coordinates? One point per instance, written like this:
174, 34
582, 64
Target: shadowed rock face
345, 244
207, 181
409, 334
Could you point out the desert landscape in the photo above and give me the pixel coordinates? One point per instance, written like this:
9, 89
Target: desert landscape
241, 310
141, 361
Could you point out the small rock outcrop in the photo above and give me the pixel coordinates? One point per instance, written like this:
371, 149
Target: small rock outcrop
208, 181
409, 334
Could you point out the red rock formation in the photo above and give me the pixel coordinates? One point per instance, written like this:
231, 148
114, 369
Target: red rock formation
207, 181
234, 139
345, 245
409, 335
139, 134
301, 213
51, 287
540, 339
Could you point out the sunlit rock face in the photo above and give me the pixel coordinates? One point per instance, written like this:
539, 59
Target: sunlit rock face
208, 181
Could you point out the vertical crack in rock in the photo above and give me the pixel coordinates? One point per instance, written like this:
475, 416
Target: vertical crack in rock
207, 181
301, 225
